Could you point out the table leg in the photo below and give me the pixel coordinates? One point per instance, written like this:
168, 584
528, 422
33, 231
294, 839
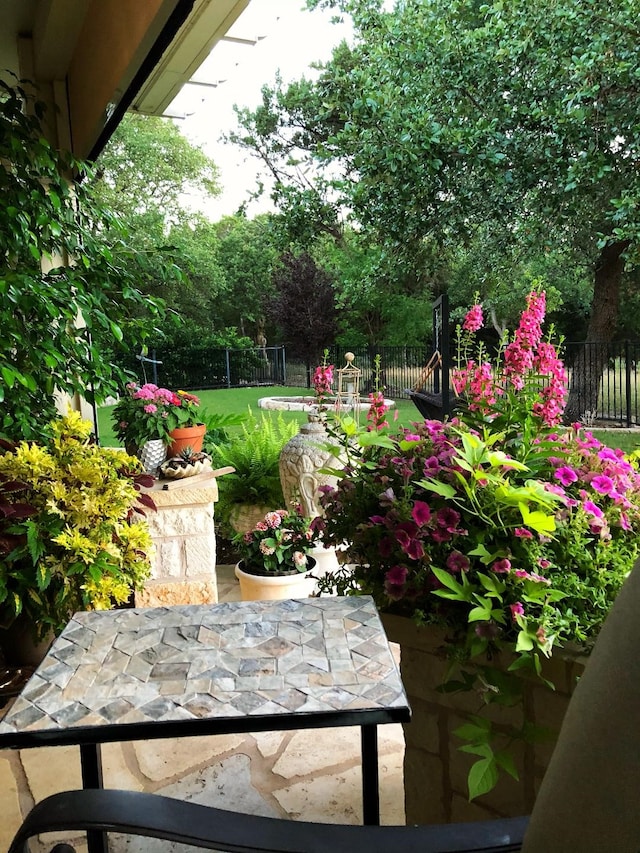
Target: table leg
370, 782
91, 767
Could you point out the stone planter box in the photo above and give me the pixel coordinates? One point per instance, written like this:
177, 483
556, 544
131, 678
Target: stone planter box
182, 530
435, 771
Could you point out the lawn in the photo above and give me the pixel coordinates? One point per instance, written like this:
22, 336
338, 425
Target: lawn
241, 400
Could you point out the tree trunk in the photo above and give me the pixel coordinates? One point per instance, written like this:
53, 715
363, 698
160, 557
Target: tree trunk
587, 369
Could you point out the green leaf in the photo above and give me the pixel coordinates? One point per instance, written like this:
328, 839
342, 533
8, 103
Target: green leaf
443, 489
446, 579
539, 521
483, 776
506, 762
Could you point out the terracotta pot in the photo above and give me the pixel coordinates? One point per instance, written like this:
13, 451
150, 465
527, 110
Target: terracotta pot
183, 437
271, 587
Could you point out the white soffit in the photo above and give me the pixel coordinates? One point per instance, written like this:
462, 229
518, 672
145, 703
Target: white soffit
207, 25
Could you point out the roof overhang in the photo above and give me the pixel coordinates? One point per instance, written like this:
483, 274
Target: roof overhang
102, 57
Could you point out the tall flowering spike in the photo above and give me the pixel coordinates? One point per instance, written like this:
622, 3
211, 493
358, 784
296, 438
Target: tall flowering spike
474, 320
520, 353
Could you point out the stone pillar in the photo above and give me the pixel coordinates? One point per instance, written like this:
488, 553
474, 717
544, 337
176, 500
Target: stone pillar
182, 529
435, 770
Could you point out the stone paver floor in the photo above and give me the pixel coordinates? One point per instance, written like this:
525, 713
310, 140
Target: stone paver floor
310, 775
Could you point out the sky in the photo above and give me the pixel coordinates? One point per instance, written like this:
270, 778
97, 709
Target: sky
293, 38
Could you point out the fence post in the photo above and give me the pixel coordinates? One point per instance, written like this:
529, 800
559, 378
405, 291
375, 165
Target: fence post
284, 365
228, 366
627, 380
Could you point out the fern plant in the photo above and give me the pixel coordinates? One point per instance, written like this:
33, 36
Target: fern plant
254, 453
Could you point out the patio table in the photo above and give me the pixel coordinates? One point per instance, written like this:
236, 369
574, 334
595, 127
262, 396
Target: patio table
139, 674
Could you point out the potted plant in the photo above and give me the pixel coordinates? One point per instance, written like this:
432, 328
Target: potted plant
154, 422
505, 538
72, 536
274, 557
186, 423
254, 486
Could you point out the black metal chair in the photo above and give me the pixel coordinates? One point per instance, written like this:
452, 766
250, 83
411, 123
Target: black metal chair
587, 802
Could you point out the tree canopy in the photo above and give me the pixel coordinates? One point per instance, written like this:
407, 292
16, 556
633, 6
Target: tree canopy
448, 116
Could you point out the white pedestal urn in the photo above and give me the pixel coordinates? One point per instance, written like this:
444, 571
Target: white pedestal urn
268, 586
301, 459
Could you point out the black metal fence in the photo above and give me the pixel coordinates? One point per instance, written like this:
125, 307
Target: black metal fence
401, 367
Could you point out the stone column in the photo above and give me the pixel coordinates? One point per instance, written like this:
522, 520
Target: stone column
182, 529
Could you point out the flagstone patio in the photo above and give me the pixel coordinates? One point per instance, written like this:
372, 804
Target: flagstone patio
311, 775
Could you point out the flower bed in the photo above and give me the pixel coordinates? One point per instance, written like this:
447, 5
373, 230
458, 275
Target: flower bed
507, 532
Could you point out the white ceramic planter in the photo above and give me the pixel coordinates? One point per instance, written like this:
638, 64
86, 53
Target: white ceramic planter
275, 587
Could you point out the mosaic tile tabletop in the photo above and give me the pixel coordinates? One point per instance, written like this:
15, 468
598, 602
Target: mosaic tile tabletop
209, 663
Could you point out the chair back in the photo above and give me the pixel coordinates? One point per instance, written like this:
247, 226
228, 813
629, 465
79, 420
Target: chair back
589, 798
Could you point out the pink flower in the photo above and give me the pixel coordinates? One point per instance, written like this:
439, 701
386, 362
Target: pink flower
592, 509
394, 582
449, 519
523, 533
299, 559
474, 319
516, 610
458, 562
501, 566
265, 549
421, 513
566, 475
273, 520
150, 409
603, 484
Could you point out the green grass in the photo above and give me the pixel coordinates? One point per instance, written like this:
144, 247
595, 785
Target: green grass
240, 400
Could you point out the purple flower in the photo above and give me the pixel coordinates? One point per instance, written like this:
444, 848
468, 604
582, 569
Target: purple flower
501, 566
409, 436
516, 610
458, 562
607, 453
523, 533
592, 509
431, 465
421, 513
448, 518
566, 475
394, 582
603, 484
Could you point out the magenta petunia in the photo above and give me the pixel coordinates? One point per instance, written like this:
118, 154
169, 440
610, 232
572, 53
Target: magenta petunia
592, 509
603, 484
516, 610
566, 475
421, 513
523, 533
394, 582
501, 566
448, 518
458, 562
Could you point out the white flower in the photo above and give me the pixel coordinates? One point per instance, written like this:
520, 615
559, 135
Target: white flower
299, 559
